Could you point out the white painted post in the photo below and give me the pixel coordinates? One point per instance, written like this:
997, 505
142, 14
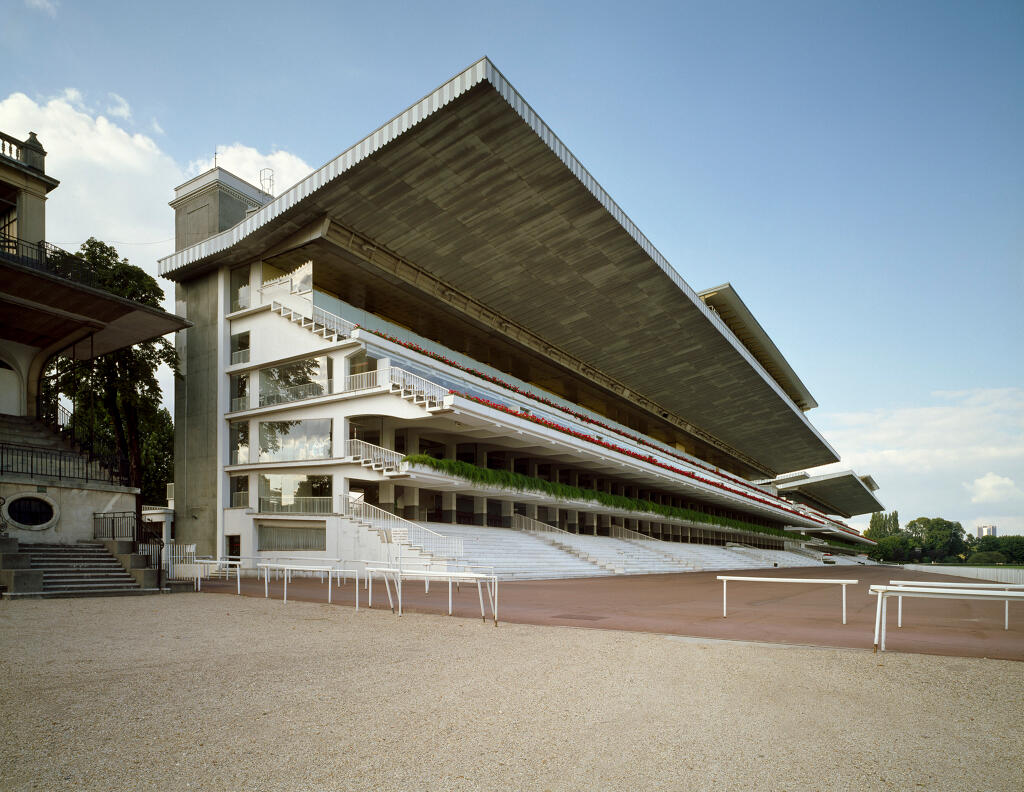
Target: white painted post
238, 575
844, 603
480, 594
286, 576
266, 581
878, 619
884, 618
724, 584
1006, 614
449, 596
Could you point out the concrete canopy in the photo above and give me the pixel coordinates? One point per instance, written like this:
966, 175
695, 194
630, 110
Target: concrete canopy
843, 493
49, 312
470, 185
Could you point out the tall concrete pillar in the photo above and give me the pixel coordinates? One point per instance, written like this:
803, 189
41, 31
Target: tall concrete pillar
572, 521
507, 509
386, 496
448, 507
410, 503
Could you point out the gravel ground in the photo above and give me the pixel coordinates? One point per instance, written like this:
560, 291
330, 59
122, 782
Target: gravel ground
196, 691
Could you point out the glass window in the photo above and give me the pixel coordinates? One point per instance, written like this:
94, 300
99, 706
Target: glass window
238, 487
301, 379
295, 493
286, 537
238, 441
240, 347
283, 441
239, 392
239, 288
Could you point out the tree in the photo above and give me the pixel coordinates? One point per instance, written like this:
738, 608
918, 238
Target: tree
1013, 548
883, 524
987, 557
897, 549
118, 396
938, 538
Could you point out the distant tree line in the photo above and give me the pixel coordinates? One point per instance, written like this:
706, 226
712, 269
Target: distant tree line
933, 539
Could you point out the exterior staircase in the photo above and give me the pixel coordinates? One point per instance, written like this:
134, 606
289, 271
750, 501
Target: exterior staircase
325, 329
81, 570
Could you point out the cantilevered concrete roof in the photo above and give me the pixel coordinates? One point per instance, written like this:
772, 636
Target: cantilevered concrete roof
473, 188
43, 310
734, 312
843, 493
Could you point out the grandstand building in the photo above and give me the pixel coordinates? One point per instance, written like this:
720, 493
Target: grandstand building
450, 337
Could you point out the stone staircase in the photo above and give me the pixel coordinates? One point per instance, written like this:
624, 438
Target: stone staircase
80, 570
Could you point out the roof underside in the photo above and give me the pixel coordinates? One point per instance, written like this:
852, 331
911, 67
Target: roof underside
48, 312
472, 186
843, 493
739, 319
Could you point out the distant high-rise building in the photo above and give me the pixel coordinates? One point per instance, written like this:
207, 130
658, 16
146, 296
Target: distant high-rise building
986, 530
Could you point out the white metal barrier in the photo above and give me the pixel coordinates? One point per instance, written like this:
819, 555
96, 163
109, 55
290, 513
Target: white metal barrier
726, 578
399, 574
975, 586
933, 592
215, 565
286, 570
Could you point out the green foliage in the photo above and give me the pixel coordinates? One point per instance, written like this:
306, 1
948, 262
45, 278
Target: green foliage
118, 395
883, 524
517, 481
987, 557
937, 537
897, 549
1013, 548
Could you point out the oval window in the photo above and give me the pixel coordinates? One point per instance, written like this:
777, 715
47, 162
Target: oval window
30, 511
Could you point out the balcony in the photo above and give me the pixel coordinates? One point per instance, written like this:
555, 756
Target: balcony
307, 390
298, 505
241, 356
239, 500
44, 257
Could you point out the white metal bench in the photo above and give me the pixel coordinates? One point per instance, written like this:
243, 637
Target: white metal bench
726, 578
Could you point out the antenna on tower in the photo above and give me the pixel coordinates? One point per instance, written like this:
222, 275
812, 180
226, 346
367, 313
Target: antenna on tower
267, 180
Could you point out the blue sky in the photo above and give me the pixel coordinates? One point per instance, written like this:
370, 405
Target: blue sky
854, 169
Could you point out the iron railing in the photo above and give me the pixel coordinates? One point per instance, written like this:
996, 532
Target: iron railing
44, 257
101, 462
125, 525
50, 463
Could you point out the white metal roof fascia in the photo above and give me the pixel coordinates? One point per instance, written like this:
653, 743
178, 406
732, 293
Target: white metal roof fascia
792, 483
481, 71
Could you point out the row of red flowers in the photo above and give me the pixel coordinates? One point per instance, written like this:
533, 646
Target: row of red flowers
587, 419
649, 459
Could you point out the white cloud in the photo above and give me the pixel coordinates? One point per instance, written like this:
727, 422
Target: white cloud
246, 163
46, 6
120, 107
921, 456
155, 126
992, 488
115, 184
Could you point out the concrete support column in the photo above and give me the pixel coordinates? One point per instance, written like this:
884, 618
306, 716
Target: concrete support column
479, 511
572, 524
387, 434
589, 520
451, 451
531, 510
339, 488
410, 503
604, 522
412, 441
507, 508
448, 507
386, 491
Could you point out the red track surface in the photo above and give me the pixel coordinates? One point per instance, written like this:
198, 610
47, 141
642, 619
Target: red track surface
691, 604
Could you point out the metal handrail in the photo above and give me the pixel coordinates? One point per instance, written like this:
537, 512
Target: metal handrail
298, 505
403, 531
364, 381
622, 532
375, 454
523, 523
413, 383
333, 322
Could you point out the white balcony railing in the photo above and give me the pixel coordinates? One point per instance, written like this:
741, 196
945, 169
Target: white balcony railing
333, 322
406, 532
364, 381
381, 458
239, 499
298, 505
241, 356
307, 390
239, 403
411, 384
